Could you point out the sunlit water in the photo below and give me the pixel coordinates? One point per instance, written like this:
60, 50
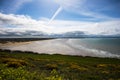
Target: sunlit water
96, 47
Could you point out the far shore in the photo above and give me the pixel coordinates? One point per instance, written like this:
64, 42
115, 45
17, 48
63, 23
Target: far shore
14, 40
19, 41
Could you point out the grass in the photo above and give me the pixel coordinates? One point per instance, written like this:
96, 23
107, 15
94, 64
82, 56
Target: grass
16, 65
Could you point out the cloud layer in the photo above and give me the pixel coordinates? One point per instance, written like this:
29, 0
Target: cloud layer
11, 24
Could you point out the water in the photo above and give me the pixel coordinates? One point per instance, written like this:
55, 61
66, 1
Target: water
111, 45
95, 47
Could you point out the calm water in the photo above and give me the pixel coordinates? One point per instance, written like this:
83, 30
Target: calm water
96, 47
111, 45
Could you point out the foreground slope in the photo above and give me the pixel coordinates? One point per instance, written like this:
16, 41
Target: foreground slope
16, 65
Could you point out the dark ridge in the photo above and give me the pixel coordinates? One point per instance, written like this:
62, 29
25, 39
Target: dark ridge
5, 40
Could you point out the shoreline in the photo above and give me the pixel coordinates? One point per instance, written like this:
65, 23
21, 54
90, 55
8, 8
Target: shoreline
57, 46
13, 40
19, 41
30, 52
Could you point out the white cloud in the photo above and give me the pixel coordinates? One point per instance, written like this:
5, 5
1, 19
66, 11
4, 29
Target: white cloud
111, 27
22, 23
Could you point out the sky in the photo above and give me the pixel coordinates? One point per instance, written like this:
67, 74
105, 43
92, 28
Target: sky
99, 17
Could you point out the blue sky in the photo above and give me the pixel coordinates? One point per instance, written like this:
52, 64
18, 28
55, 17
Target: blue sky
65, 15
46, 8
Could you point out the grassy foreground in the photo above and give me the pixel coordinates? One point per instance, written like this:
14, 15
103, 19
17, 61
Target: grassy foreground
28, 66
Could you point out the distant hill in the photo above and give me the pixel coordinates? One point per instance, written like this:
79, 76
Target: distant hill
40, 34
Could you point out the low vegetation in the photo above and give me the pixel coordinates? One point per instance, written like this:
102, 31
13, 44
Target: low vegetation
13, 40
16, 65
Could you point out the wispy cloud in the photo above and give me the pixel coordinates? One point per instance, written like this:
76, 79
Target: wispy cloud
92, 9
55, 14
13, 6
19, 3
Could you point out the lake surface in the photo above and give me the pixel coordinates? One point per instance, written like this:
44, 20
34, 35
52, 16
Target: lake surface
95, 47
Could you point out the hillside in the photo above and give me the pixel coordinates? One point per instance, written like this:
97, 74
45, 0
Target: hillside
16, 65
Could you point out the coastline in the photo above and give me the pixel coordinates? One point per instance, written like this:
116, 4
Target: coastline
30, 52
57, 46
